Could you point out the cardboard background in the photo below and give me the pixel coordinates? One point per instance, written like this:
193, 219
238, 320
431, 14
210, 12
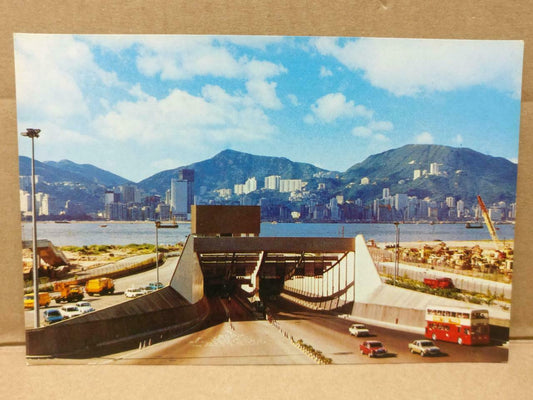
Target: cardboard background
457, 19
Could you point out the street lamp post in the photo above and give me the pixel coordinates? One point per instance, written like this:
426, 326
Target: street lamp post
158, 226
396, 258
32, 134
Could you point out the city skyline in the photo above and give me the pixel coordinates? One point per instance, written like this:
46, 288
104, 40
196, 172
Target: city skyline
136, 105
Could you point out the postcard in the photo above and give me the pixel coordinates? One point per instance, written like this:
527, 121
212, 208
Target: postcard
267, 200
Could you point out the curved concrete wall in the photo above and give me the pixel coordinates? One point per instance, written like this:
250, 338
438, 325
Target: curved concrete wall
153, 317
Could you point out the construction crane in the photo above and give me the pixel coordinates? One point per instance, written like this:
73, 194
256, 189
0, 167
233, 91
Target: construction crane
489, 224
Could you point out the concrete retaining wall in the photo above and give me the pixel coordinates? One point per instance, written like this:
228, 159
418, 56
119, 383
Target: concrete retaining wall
390, 314
150, 318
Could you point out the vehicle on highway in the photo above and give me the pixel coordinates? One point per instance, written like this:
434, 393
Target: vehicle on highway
358, 330
84, 306
100, 286
461, 325
155, 285
44, 300
69, 311
135, 292
424, 347
372, 348
52, 315
68, 292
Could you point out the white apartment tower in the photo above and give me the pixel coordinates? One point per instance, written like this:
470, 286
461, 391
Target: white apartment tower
434, 169
178, 197
238, 188
272, 182
250, 185
450, 202
290, 185
417, 174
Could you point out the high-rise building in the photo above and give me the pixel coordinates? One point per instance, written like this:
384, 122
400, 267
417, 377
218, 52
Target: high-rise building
179, 197
290, 185
49, 205
450, 201
400, 202
434, 169
250, 185
238, 188
272, 182
187, 175
25, 201
416, 174
386, 193
128, 193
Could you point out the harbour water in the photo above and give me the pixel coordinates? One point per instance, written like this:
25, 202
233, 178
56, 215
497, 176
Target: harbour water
88, 233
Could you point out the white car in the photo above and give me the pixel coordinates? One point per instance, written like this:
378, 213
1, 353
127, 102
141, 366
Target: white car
70, 311
424, 347
135, 292
358, 330
84, 306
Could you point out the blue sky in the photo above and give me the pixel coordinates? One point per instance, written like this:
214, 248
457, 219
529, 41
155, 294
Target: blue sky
137, 105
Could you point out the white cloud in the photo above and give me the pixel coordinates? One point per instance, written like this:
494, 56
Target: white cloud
380, 137
362, 131
293, 99
374, 130
136, 91
381, 126
324, 72
407, 67
424, 138
46, 76
164, 164
458, 140
215, 116
334, 105
264, 93
309, 119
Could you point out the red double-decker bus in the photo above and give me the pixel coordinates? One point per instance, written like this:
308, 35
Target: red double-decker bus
458, 324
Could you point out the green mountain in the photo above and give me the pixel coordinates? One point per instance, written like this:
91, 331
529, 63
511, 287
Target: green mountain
66, 180
230, 167
463, 173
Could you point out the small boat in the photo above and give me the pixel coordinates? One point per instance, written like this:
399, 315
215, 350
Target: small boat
103, 226
473, 225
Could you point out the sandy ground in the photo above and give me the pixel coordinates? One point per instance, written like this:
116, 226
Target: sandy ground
484, 244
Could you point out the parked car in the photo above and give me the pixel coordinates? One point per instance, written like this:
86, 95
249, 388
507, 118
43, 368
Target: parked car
424, 347
84, 306
358, 330
155, 285
52, 315
44, 300
372, 348
70, 311
135, 292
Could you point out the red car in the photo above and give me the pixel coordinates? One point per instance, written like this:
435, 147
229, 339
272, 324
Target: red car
372, 348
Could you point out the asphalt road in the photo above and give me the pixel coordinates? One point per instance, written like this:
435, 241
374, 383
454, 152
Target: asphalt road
329, 333
121, 284
232, 336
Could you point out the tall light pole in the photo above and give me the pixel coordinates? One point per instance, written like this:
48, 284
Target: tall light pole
32, 134
396, 258
158, 226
